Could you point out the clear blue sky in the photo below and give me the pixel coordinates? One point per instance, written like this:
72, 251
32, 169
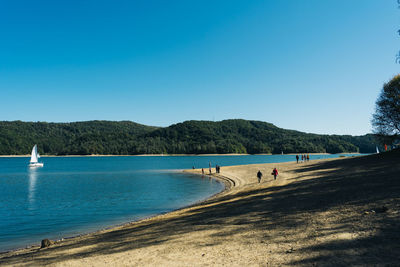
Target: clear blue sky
314, 66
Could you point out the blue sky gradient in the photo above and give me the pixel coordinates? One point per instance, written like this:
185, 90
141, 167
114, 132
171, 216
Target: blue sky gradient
314, 66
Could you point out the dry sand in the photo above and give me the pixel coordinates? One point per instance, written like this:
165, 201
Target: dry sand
336, 212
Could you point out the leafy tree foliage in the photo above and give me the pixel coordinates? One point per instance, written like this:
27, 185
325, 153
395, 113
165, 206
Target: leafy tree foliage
190, 137
386, 119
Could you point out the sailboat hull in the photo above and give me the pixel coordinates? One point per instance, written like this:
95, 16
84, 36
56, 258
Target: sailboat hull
37, 164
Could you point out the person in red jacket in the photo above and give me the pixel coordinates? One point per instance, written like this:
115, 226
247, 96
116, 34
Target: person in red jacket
274, 173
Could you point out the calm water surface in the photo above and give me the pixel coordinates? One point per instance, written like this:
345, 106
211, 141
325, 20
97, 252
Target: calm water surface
75, 195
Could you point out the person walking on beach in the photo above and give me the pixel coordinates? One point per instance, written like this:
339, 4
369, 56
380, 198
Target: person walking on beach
202, 171
308, 157
259, 176
297, 158
274, 173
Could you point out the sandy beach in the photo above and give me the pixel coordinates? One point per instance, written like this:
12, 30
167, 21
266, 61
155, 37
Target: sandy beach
334, 212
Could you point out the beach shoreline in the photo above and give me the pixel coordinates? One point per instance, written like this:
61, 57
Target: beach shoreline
229, 183
281, 222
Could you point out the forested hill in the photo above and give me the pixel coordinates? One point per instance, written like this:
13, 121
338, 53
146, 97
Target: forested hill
190, 137
76, 138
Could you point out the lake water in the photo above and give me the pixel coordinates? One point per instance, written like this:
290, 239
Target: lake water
75, 195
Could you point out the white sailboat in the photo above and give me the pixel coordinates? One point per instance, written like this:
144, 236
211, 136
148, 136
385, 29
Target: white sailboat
377, 150
34, 158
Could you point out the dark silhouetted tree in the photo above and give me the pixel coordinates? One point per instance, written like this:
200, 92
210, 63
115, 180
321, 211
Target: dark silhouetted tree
386, 120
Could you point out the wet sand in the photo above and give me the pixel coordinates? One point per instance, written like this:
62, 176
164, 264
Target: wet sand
334, 212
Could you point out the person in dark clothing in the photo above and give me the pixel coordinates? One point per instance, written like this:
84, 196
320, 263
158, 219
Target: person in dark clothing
274, 173
297, 158
259, 176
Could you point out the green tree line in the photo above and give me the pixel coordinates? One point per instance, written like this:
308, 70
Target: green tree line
190, 137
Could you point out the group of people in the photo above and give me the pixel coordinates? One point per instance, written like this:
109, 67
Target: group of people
304, 157
274, 173
217, 169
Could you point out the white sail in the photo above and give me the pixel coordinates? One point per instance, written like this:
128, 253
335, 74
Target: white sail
34, 157
377, 150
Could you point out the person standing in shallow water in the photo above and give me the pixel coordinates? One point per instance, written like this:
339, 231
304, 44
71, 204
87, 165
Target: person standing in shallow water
259, 176
297, 158
274, 173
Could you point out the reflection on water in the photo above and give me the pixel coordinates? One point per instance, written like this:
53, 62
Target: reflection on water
32, 172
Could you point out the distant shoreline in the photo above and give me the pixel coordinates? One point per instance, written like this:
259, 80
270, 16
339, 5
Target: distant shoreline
173, 155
